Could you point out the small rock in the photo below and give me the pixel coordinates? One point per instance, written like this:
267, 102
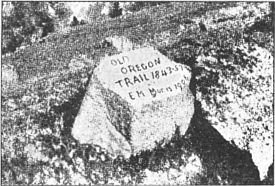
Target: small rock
120, 43
76, 64
9, 75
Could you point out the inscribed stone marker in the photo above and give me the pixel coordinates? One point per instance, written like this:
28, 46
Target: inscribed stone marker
142, 76
135, 100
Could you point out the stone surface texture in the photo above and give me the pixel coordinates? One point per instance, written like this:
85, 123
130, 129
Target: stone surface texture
134, 101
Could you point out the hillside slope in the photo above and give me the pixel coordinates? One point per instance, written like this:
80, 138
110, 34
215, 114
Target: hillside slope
39, 109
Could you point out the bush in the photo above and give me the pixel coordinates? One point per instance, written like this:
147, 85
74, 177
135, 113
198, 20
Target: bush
115, 10
74, 22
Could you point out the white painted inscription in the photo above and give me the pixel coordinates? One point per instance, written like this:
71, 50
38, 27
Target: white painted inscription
143, 75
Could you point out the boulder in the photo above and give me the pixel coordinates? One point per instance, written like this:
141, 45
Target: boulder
135, 100
243, 108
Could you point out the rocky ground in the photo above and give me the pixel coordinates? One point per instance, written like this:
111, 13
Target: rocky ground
230, 138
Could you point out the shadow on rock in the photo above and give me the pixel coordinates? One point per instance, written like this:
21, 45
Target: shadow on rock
71, 108
269, 180
220, 158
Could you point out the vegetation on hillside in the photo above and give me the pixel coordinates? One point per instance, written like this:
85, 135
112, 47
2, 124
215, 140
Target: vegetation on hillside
26, 22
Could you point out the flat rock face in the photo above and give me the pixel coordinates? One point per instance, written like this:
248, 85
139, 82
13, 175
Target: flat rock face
134, 100
142, 76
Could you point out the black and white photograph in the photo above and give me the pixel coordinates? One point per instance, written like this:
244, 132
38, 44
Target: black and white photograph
137, 92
